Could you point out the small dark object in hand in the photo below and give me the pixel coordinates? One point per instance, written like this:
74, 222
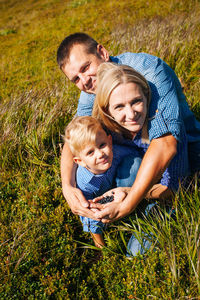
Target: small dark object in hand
106, 199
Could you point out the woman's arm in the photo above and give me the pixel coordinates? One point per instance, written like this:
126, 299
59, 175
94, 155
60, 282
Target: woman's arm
77, 202
155, 161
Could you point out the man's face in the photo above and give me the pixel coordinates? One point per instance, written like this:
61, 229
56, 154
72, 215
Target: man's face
81, 67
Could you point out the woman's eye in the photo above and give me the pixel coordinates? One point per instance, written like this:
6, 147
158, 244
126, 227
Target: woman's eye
118, 107
136, 101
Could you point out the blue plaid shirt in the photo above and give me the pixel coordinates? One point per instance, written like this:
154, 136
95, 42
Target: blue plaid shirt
93, 185
168, 111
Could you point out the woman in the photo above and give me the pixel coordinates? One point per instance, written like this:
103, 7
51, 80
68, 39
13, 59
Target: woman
123, 104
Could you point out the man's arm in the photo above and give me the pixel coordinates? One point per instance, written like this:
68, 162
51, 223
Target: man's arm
155, 161
78, 204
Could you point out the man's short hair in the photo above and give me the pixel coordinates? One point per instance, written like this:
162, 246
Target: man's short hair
80, 132
66, 45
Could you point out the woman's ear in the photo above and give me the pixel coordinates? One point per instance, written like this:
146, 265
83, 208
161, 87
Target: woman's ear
79, 161
103, 53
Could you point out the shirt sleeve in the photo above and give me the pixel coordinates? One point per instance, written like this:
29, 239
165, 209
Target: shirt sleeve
85, 104
178, 168
164, 112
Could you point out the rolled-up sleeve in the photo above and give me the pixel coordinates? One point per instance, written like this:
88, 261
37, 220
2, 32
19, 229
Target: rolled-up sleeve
164, 123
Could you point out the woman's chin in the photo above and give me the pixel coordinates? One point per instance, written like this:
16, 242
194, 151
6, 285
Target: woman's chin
132, 127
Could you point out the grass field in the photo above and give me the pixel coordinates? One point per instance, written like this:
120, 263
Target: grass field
43, 252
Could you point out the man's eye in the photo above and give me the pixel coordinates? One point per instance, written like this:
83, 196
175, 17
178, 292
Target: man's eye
85, 68
75, 80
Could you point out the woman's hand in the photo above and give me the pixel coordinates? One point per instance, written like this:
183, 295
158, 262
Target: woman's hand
111, 211
118, 194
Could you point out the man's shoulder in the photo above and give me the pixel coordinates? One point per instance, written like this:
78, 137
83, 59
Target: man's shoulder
85, 97
130, 58
85, 104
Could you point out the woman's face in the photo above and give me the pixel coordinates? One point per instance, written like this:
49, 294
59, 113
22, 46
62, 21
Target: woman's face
128, 106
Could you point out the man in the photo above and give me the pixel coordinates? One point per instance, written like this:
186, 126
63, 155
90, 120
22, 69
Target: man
79, 57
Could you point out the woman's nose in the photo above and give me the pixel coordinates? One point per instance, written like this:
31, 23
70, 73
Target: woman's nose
129, 112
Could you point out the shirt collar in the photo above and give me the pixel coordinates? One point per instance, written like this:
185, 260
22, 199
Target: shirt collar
115, 59
88, 176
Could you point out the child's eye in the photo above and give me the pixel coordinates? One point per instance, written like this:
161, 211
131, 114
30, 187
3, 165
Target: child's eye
102, 145
90, 152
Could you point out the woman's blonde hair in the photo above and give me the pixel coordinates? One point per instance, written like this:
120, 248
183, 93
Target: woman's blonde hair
109, 76
80, 132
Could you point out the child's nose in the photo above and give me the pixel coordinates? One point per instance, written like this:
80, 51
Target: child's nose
100, 153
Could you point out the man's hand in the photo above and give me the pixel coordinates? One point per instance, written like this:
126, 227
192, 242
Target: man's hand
77, 202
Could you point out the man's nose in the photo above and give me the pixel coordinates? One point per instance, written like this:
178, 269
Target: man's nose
84, 78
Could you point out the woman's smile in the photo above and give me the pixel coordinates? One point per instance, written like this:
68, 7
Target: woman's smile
134, 120
128, 106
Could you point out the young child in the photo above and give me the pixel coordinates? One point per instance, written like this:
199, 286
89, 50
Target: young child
92, 150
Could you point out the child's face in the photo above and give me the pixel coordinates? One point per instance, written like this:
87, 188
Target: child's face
97, 157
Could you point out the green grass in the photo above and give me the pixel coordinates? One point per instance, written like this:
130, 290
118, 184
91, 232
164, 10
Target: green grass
43, 251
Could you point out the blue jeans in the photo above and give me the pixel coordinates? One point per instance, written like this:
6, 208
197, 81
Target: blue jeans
90, 225
126, 175
141, 246
127, 170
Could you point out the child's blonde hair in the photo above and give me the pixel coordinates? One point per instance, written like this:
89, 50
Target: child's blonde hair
80, 132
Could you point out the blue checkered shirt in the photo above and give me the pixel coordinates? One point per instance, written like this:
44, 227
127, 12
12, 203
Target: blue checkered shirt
168, 112
93, 185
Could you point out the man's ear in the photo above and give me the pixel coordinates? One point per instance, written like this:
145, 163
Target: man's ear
79, 161
103, 53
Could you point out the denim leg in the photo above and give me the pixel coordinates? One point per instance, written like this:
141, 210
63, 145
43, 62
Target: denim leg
140, 246
136, 246
127, 170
